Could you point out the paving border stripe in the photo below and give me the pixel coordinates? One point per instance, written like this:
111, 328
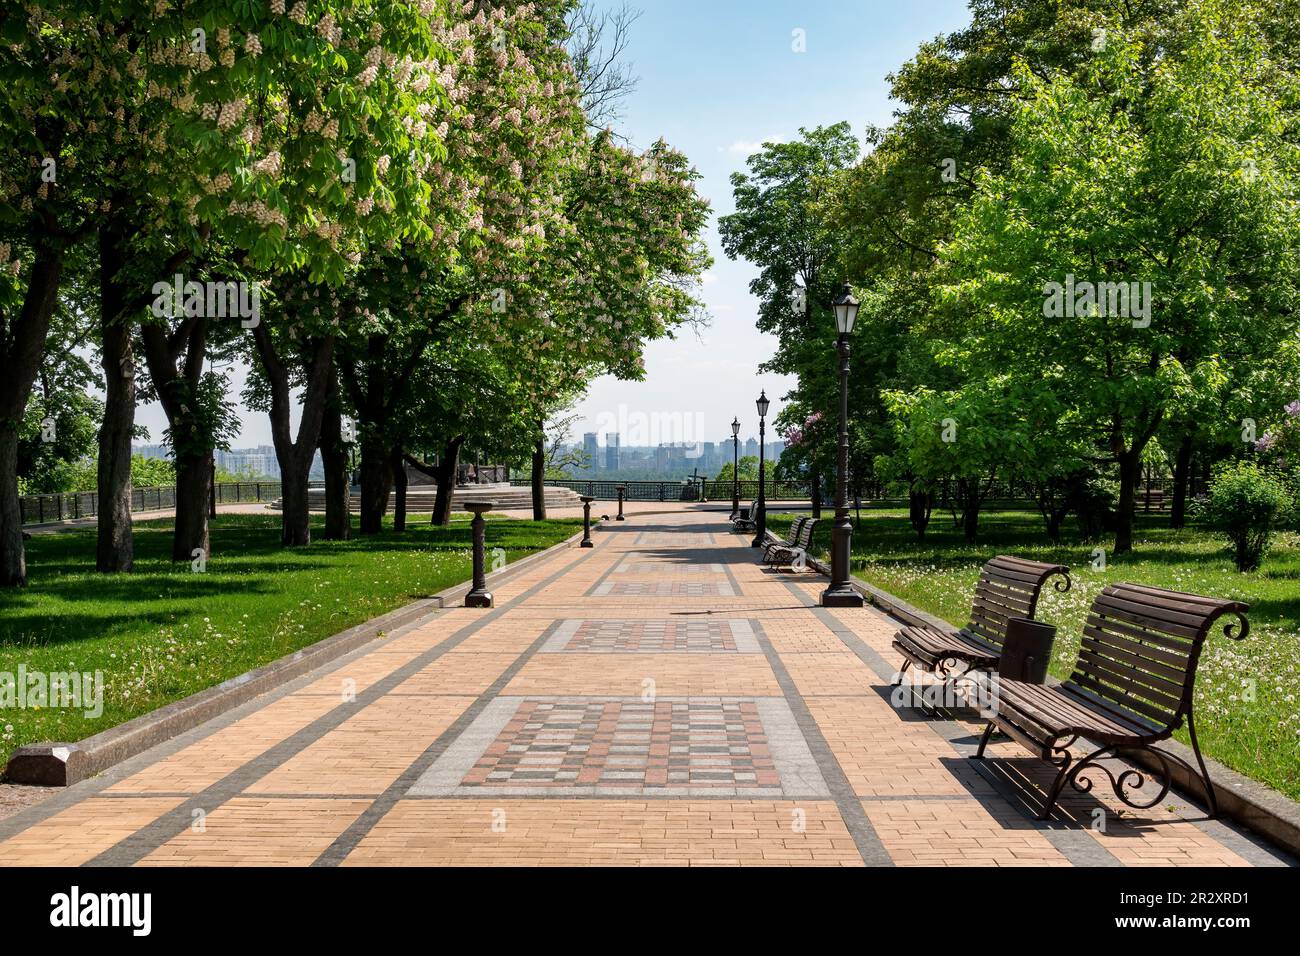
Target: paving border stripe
1257, 807
864, 836
40, 764
1075, 845
97, 786
153, 835
590, 592
351, 838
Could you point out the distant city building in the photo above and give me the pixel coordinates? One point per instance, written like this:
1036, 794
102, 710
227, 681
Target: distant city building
591, 448
611, 451
256, 462
152, 451
776, 450
751, 447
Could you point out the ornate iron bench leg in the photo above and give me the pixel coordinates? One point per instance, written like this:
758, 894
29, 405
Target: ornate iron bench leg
1063, 760
1211, 801
907, 662
984, 741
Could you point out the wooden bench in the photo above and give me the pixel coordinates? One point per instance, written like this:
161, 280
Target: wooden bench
1008, 587
789, 542
746, 520
1132, 687
779, 553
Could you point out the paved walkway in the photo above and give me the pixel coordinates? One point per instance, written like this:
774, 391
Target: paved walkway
659, 699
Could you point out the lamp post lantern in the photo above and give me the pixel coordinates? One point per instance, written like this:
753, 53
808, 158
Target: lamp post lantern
841, 593
760, 521
735, 467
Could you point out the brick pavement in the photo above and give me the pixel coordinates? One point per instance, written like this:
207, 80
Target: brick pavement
661, 699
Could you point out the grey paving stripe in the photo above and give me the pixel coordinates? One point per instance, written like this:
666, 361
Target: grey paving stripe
1254, 850
1248, 846
1076, 845
350, 838
613, 566
870, 848
144, 841
98, 785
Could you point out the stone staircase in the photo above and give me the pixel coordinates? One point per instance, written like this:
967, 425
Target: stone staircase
420, 498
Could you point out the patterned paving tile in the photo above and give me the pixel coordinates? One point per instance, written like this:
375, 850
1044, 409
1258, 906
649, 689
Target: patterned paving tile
674, 539
664, 589
665, 568
586, 746
613, 636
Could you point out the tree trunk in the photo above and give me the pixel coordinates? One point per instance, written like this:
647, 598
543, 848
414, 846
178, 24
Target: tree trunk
115, 545
445, 476
295, 515
376, 480
1182, 479
13, 557
920, 506
193, 479
1130, 471
969, 497
399, 484
538, 478
294, 453
177, 386
20, 354
338, 483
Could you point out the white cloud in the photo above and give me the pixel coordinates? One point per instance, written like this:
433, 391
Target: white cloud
742, 147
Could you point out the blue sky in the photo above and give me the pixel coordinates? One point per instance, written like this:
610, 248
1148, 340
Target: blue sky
717, 78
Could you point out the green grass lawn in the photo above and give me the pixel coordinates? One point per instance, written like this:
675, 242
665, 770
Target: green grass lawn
1247, 693
164, 632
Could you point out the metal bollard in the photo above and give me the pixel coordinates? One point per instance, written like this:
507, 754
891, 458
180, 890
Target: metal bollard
621, 490
479, 595
586, 522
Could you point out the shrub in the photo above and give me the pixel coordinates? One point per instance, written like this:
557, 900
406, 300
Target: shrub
1248, 504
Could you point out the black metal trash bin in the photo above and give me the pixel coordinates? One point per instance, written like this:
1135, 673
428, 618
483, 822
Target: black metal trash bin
1027, 650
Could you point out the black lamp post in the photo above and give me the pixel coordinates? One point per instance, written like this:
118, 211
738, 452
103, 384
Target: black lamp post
735, 467
841, 593
760, 522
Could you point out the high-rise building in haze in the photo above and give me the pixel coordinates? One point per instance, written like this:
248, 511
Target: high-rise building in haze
591, 448
611, 451
751, 447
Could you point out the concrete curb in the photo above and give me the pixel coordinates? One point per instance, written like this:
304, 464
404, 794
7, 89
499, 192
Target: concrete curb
63, 764
1245, 801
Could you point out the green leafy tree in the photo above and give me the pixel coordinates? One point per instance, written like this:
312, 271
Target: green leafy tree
1170, 165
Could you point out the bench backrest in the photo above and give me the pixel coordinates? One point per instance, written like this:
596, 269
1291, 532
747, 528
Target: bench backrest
1140, 649
797, 529
1009, 587
803, 540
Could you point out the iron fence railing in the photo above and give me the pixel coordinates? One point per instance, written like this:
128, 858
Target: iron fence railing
666, 490
1153, 494
42, 509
